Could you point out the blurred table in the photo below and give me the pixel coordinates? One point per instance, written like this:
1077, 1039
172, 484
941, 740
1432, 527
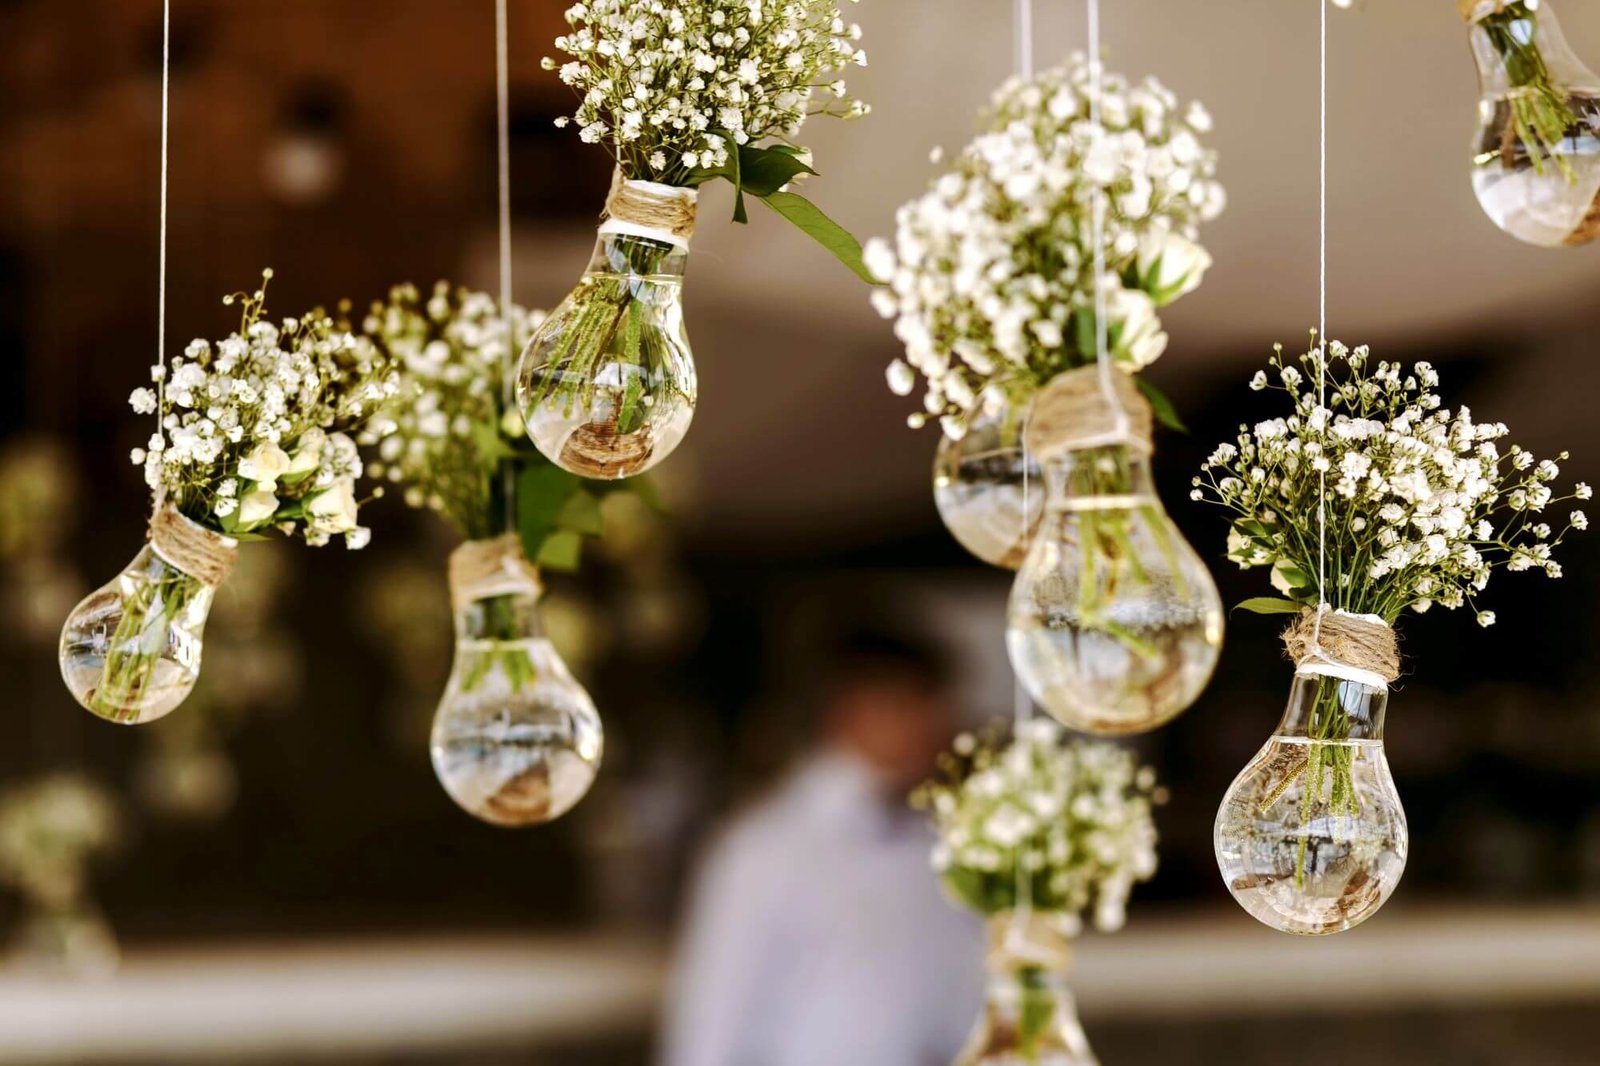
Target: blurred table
275, 1002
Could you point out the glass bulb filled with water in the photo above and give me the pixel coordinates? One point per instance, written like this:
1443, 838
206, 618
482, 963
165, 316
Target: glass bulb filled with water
516, 740
1311, 837
1114, 624
989, 491
1536, 153
607, 384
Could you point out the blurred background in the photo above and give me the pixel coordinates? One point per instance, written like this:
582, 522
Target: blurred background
275, 866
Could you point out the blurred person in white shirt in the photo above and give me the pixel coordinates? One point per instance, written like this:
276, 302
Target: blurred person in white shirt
817, 934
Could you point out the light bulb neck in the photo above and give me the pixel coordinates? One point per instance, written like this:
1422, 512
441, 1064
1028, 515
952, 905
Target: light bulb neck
1330, 708
631, 254
1518, 45
1098, 473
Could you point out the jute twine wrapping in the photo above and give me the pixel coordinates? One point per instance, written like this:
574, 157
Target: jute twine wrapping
483, 568
1072, 412
1344, 640
196, 551
1470, 8
666, 208
1031, 941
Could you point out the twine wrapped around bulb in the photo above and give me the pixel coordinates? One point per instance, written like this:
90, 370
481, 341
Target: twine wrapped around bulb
650, 209
1344, 640
1072, 412
1473, 10
483, 568
199, 552
1035, 940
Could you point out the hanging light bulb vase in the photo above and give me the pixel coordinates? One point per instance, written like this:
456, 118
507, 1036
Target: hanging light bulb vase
1536, 154
988, 489
1029, 1014
516, 741
1311, 837
130, 652
1114, 624
607, 384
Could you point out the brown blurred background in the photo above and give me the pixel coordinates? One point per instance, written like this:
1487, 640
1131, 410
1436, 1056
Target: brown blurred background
287, 863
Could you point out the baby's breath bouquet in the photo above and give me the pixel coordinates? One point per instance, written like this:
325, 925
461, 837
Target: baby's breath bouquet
1375, 502
253, 441
990, 278
682, 94
1033, 835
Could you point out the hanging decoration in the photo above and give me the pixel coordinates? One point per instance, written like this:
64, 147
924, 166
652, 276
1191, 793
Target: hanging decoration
516, 740
253, 440
682, 95
1536, 155
1033, 835
1422, 506
1115, 624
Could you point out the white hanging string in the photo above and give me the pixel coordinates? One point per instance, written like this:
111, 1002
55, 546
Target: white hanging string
1108, 388
1322, 320
161, 270
503, 165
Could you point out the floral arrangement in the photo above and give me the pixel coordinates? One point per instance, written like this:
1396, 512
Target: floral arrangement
50, 829
990, 276
1423, 503
448, 440
687, 93
256, 427
1074, 818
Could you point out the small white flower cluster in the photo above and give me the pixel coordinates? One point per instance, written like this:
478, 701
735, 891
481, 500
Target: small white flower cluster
254, 427
50, 828
673, 87
446, 431
1076, 818
990, 277
1422, 503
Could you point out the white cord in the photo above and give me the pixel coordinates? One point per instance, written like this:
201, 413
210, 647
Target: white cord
1322, 320
1024, 39
161, 273
503, 156
1108, 388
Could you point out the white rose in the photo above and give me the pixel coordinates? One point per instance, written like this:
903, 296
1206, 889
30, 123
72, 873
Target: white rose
334, 509
1134, 330
257, 508
309, 455
265, 465
1170, 265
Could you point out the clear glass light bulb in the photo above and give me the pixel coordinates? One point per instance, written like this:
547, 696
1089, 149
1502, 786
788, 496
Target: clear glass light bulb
1311, 837
978, 486
1114, 624
130, 652
607, 384
1536, 154
516, 740
1029, 1019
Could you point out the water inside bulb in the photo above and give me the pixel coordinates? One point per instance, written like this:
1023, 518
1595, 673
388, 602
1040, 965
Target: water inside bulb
1114, 624
1311, 837
130, 651
1536, 153
1029, 1018
607, 384
989, 492
516, 740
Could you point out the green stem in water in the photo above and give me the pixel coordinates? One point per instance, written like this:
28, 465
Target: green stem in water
1541, 113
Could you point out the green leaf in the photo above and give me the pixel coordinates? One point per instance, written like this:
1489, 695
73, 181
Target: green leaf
581, 514
822, 229
1166, 414
560, 550
1268, 605
764, 171
542, 493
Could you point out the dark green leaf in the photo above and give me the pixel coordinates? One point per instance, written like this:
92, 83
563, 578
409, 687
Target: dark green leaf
763, 171
560, 550
1268, 605
822, 229
1166, 414
581, 514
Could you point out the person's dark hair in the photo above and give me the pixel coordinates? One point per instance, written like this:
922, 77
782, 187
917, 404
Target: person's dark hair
869, 653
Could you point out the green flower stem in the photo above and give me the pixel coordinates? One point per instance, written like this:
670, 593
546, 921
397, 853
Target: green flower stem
1330, 765
501, 622
1541, 113
140, 640
1037, 1010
